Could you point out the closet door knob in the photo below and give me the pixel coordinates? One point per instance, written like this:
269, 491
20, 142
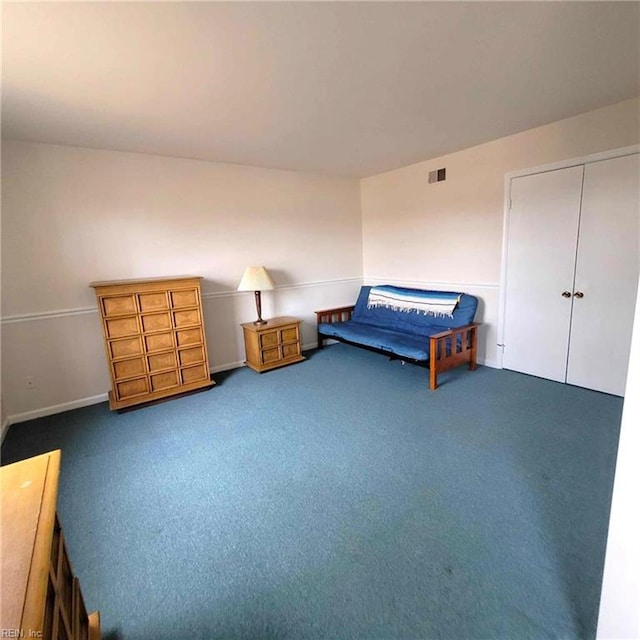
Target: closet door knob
566, 294
579, 294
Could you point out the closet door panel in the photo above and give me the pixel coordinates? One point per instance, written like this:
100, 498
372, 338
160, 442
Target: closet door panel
542, 236
607, 268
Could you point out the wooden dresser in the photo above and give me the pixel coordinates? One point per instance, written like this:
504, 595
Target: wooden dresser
273, 344
154, 338
41, 597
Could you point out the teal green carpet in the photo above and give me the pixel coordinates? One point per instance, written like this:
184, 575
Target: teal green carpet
340, 498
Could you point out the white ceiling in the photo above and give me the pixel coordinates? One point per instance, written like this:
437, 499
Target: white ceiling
335, 87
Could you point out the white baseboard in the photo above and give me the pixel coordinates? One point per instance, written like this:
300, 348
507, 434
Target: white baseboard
227, 367
492, 364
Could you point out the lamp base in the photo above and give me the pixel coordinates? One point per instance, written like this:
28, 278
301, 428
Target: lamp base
259, 322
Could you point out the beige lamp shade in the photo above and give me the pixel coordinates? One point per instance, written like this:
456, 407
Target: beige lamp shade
256, 279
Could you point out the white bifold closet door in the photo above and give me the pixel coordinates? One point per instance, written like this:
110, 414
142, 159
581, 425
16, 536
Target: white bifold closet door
607, 267
541, 254
572, 273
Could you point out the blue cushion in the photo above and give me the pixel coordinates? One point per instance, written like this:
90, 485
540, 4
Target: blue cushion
413, 322
402, 344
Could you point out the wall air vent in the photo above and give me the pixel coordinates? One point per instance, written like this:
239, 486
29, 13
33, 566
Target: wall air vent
438, 175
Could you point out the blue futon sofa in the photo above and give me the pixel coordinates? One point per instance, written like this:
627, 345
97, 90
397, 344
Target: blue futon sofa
418, 325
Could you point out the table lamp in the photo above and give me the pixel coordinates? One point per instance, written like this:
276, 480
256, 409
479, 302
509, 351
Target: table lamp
256, 279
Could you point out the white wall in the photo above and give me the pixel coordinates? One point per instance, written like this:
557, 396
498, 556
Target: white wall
71, 216
620, 600
448, 235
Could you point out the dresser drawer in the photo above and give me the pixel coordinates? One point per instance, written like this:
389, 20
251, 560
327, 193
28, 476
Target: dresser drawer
132, 388
192, 355
153, 301
155, 322
194, 374
159, 341
160, 381
121, 327
118, 305
161, 361
129, 368
188, 336
125, 347
190, 318
184, 298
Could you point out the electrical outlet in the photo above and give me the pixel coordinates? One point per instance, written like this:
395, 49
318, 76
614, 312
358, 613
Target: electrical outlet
29, 382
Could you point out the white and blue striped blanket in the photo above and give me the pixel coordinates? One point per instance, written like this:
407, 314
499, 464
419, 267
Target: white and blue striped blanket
435, 303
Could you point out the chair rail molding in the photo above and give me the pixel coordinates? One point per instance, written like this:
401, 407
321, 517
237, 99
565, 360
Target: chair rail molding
231, 293
47, 315
424, 284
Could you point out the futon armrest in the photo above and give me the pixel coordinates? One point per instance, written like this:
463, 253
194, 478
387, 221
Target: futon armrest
338, 314
329, 316
448, 349
450, 332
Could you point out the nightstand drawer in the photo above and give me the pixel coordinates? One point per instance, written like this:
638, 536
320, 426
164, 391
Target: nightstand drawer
270, 355
291, 350
289, 334
269, 339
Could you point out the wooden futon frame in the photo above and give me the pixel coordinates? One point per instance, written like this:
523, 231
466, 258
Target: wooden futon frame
447, 349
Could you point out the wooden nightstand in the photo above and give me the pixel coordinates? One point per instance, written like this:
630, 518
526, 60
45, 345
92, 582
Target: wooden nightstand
273, 344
